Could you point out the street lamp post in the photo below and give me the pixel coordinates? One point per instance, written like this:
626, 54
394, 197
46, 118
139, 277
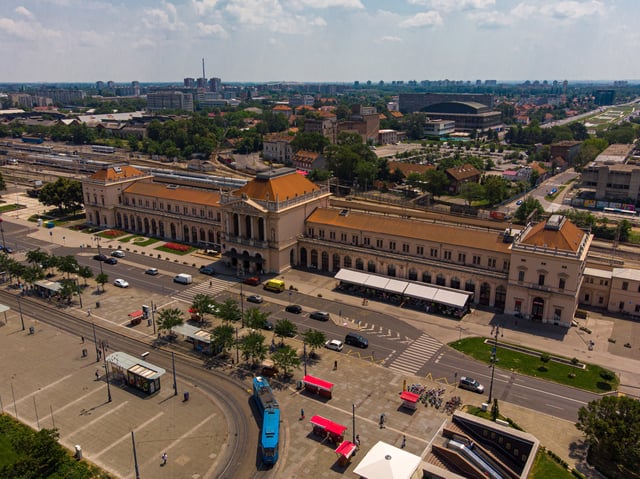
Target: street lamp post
95, 341
78, 291
106, 370
241, 306
99, 252
20, 310
493, 361
4, 243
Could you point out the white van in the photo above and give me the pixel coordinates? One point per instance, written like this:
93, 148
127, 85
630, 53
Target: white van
183, 278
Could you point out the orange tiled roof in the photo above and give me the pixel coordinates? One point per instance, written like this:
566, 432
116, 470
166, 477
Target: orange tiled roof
567, 238
305, 108
281, 108
117, 173
417, 230
279, 137
396, 114
280, 187
182, 193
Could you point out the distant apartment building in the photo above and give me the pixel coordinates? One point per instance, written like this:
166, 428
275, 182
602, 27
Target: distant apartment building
215, 84
567, 150
387, 137
301, 100
614, 175
285, 110
276, 147
169, 100
364, 121
326, 125
61, 95
308, 161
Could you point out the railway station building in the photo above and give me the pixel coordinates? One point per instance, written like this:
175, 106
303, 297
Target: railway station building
281, 220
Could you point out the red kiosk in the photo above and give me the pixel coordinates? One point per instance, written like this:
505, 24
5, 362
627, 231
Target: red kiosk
318, 386
136, 317
333, 431
409, 400
344, 452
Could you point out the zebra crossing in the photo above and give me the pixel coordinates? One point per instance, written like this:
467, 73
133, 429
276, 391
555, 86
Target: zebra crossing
412, 359
382, 332
211, 287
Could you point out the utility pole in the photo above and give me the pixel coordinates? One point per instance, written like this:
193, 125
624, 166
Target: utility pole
173, 366
106, 370
493, 361
135, 456
95, 341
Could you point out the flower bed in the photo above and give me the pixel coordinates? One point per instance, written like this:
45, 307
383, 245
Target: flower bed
175, 248
112, 233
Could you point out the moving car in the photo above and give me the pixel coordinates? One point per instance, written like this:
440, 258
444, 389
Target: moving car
111, 261
151, 271
100, 257
355, 339
471, 385
121, 283
320, 315
255, 298
293, 308
208, 270
183, 278
253, 281
334, 344
117, 253
519, 202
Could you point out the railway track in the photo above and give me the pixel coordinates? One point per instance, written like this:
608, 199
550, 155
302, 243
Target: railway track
228, 393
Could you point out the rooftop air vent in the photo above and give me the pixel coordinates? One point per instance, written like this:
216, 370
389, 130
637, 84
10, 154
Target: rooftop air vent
173, 187
555, 222
344, 212
117, 169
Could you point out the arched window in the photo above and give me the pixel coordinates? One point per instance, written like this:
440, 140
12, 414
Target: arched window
336, 262
371, 266
426, 277
413, 275
347, 262
391, 270
441, 280
325, 261
455, 282
359, 264
314, 259
470, 286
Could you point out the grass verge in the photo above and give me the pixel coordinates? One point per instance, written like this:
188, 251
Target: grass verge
591, 378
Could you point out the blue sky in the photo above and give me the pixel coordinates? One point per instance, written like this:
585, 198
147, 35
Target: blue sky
318, 40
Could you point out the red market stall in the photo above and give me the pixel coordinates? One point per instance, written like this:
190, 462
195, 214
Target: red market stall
326, 428
409, 400
136, 317
318, 386
345, 451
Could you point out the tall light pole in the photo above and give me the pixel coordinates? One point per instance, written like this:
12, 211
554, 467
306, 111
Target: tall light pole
4, 243
106, 370
95, 341
241, 306
493, 361
78, 291
20, 310
98, 238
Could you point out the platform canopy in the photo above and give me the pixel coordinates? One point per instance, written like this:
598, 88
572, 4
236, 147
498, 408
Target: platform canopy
134, 365
317, 382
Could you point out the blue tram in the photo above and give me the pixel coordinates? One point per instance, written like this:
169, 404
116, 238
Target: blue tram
268, 406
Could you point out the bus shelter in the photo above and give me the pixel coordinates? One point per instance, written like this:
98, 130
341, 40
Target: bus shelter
135, 372
200, 338
46, 288
326, 428
318, 386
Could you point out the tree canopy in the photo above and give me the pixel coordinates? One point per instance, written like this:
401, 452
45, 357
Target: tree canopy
65, 194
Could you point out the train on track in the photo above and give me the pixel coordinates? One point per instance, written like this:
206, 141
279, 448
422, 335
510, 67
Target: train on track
270, 410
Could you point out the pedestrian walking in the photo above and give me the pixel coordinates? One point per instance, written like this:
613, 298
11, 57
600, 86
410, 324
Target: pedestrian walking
89, 312
382, 421
301, 414
210, 283
82, 339
164, 458
358, 441
404, 441
335, 365
97, 375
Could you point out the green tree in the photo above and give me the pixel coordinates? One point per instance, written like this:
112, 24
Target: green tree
314, 339
253, 347
229, 311
85, 272
202, 304
68, 265
286, 358
223, 336
169, 317
36, 257
496, 189
64, 193
310, 142
437, 182
284, 328
528, 206
101, 280
611, 426
3, 185
472, 192
255, 319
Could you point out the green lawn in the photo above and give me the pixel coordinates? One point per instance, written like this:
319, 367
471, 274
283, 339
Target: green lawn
544, 467
591, 378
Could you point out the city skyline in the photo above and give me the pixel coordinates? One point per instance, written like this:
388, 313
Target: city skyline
318, 40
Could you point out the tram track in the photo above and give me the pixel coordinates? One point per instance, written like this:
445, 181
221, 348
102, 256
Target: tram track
228, 393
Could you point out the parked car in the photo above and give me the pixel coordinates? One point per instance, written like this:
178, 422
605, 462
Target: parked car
293, 308
151, 271
334, 344
320, 315
100, 257
121, 283
208, 270
6, 249
117, 253
471, 385
255, 298
355, 339
268, 325
253, 281
519, 202
111, 261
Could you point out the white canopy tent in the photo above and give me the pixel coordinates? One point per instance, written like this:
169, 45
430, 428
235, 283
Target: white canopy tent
385, 461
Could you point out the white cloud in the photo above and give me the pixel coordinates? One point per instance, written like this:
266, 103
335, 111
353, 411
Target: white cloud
31, 31
24, 12
349, 4
206, 30
202, 7
451, 5
163, 18
271, 15
423, 19
567, 10
390, 39
491, 19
